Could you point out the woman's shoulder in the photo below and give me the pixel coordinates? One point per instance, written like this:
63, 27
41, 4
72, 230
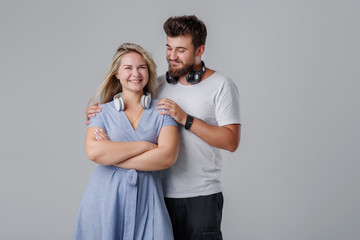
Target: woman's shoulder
162, 118
108, 106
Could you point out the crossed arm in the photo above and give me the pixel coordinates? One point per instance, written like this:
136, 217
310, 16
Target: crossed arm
139, 155
225, 137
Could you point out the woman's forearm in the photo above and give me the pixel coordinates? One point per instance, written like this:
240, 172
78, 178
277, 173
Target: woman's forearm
108, 152
158, 158
153, 160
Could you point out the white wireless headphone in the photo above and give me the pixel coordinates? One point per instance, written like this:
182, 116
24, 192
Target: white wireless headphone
120, 103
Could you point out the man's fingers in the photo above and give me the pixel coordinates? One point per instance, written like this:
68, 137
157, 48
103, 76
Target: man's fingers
93, 109
166, 105
164, 101
88, 116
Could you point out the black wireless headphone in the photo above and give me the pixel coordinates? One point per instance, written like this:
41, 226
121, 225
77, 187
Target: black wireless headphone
192, 77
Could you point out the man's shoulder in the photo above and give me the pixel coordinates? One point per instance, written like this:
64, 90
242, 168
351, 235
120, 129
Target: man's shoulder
161, 78
161, 83
221, 76
220, 79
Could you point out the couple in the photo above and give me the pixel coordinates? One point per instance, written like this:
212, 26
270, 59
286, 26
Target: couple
132, 137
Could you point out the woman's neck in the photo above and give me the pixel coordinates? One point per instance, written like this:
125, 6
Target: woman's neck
132, 99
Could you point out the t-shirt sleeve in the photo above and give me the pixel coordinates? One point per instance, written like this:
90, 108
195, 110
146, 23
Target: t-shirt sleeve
227, 110
98, 120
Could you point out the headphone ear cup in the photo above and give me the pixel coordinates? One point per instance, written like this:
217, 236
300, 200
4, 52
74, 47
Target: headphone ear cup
193, 77
122, 104
116, 103
146, 100
170, 79
196, 77
119, 103
190, 77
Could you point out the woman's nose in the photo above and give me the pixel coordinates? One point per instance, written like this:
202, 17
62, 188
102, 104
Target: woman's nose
135, 72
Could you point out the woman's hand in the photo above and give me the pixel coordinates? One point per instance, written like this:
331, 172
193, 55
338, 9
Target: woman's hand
100, 135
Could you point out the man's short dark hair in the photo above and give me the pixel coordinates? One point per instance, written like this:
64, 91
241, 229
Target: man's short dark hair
186, 25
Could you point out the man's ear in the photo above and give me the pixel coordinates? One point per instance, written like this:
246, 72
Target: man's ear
200, 50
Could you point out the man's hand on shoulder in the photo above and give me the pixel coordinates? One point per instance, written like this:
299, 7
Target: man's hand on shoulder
170, 107
91, 112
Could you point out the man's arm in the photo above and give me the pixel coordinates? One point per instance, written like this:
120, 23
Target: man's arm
226, 137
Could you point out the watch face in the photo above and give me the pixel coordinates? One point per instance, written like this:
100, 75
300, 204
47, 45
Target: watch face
189, 122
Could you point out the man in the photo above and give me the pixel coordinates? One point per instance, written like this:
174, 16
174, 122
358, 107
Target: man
206, 106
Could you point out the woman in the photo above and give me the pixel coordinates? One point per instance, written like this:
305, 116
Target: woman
131, 141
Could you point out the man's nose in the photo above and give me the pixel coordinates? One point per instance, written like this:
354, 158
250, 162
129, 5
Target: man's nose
173, 55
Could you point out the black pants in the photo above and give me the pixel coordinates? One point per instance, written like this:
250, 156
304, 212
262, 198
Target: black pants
196, 218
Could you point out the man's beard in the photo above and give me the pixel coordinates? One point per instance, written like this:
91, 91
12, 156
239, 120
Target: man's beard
182, 71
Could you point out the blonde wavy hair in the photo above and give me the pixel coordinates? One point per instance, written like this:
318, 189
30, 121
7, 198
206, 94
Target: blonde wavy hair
110, 86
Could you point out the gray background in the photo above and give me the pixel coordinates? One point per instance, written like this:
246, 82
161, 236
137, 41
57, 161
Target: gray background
296, 64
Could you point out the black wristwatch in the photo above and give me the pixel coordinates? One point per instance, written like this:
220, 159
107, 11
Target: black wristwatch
189, 121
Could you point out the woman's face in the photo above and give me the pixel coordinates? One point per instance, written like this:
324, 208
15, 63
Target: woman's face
133, 72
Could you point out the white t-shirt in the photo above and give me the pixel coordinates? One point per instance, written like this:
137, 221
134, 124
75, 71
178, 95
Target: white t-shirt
214, 100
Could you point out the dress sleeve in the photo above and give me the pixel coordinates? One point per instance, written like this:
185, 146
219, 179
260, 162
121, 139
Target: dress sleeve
168, 121
98, 120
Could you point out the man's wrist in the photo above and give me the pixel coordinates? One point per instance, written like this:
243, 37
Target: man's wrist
189, 121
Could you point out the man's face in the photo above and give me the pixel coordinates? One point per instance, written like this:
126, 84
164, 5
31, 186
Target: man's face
180, 55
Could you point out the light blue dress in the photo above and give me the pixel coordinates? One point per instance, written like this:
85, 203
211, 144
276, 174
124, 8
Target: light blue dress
120, 203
